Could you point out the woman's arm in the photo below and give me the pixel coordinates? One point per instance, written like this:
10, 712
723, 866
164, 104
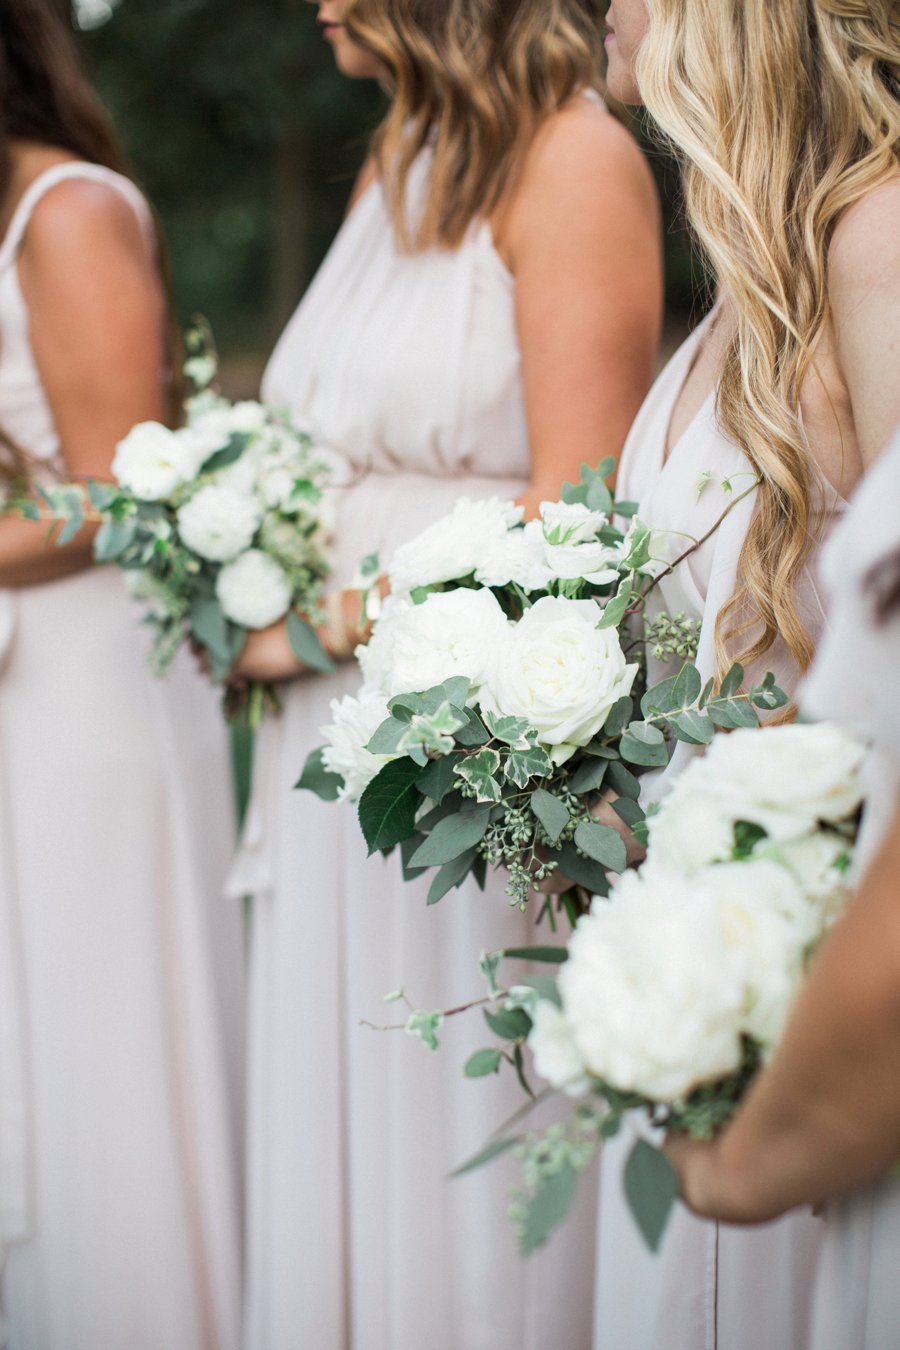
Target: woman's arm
825, 1115
97, 324
581, 236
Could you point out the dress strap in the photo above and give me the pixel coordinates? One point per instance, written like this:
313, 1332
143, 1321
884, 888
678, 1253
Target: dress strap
62, 173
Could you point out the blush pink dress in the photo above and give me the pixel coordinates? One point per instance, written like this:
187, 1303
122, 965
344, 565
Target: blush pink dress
710, 1287
120, 964
409, 366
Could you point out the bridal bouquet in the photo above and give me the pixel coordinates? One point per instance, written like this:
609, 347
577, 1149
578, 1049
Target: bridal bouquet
220, 526
677, 987
499, 701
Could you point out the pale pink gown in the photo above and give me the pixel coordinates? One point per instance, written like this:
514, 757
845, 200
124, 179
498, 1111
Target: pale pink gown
710, 1287
120, 963
409, 366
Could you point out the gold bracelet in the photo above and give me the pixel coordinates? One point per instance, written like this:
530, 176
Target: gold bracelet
338, 641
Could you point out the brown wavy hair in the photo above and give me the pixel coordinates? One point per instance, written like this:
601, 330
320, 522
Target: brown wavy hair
784, 113
474, 79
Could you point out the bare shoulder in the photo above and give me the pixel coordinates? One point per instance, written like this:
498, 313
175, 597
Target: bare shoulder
865, 247
80, 219
584, 146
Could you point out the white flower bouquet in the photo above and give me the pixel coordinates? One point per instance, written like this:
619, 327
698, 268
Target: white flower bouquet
676, 987
220, 527
499, 697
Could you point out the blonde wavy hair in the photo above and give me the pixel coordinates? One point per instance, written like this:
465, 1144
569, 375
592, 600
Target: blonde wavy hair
475, 79
784, 113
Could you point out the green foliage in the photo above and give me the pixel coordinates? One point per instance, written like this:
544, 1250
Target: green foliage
316, 778
651, 1188
306, 645
387, 808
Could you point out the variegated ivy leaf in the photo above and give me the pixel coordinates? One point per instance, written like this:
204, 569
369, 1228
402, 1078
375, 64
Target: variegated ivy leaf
426, 1025
429, 734
511, 730
489, 965
520, 766
478, 771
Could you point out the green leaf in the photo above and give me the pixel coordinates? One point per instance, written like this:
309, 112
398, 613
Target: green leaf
450, 875
511, 1024
693, 727
387, 807
651, 1188
644, 744
437, 780
551, 812
478, 771
431, 733
473, 734
511, 730
451, 836
386, 737
602, 843
582, 871
542, 987
72, 525
732, 681
229, 454
521, 766
589, 776
671, 695
615, 609
732, 712
316, 778
209, 625
550, 955
486, 1155
768, 695
113, 539
746, 836
706, 695
482, 1063
425, 1025
306, 646
456, 690
618, 717
628, 811
622, 781
407, 849
547, 1208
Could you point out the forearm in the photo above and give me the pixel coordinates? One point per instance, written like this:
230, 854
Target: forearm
28, 557
825, 1115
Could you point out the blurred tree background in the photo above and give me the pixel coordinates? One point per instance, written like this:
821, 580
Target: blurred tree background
247, 140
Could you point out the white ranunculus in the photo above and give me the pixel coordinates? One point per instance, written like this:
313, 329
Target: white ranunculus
453, 546
153, 461
218, 523
652, 993
253, 590
785, 779
560, 672
451, 633
516, 557
354, 721
556, 1056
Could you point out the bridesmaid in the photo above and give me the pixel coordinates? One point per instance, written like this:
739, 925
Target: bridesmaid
788, 118
486, 321
119, 968
824, 1119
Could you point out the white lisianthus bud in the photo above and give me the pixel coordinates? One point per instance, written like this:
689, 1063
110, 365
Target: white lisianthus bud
218, 523
253, 590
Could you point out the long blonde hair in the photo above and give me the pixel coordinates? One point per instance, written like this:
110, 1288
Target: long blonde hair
475, 79
784, 112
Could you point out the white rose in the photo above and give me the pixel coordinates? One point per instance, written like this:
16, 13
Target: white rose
516, 557
376, 658
785, 779
556, 1056
453, 546
570, 522
354, 722
560, 672
451, 633
253, 590
694, 825
653, 995
218, 523
818, 862
227, 420
572, 550
153, 461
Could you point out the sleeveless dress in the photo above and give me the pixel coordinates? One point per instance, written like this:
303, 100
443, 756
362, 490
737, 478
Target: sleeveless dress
120, 967
710, 1287
409, 366
854, 680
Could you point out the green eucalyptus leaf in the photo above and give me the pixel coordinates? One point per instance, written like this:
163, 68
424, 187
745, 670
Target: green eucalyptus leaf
602, 843
732, 712
229, 454
623, 781
628, 811
616, 608
589, 776
456, 690
693, 727
555, 956
510, 1024
732, 681
651, 1188
451, 836
644, 744
386, 737
547, 1208
582, 871
387, 807
483, 1062
451, 874
316, 778
618, 717
114, 538
407, 849
551, 812
306, 646
437, 780
486, 1155
473, 733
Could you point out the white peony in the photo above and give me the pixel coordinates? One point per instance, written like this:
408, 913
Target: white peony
376, 657
653, 995
451, 633
516, 557
786, 779
556, 1056
253, 590
218, 523
354, 721
153, 461
560, 672
453, 546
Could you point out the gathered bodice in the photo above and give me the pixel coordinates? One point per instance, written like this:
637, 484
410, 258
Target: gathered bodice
408, 362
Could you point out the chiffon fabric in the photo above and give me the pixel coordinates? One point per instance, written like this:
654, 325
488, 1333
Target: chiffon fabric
710, 1287
408, 365
854, 680
120, 965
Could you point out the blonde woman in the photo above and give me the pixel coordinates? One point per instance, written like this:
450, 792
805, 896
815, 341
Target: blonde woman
485, 322
787, 117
